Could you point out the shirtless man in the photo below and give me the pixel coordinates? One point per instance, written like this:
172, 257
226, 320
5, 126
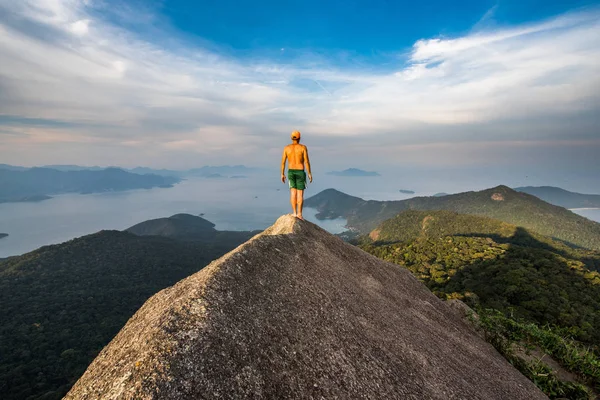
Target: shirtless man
297, 155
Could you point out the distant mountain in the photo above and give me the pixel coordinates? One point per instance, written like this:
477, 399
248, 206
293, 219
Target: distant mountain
28, 199
62, 304
67, 167
160, 172
36, 183
441, 194
3, 235
562, 197
187, 227
353, 172
12, 167
406, 191
225, 170
501, 203
490, 263
234, 171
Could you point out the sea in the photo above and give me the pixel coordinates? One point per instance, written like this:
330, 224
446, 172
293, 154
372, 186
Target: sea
251, 203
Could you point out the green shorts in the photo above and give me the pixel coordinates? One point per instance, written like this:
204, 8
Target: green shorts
297, 179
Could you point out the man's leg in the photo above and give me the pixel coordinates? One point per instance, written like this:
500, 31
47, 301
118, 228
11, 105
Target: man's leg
299, 201
293, 197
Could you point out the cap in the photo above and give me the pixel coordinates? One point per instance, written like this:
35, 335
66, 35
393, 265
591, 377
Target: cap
296, 135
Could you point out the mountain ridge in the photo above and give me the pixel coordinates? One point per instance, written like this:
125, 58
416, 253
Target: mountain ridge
291, 313
561, 197
501, 202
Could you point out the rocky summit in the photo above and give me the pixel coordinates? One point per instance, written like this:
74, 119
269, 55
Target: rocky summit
296, 313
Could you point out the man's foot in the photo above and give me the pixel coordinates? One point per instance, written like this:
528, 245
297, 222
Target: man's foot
294, 215
300, 217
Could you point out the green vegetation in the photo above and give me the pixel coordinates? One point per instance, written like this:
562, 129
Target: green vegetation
509, 335
503, 267
62, 304
540, 285
531, 290
490, 263
501, 203
188, 227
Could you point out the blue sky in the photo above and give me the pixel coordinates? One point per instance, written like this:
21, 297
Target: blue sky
178, 84
361, 27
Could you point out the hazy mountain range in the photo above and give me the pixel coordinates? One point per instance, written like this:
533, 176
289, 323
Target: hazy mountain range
226, 170
353, 172
36, 184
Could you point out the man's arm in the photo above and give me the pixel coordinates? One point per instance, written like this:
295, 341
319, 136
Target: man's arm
283, 159
307, 164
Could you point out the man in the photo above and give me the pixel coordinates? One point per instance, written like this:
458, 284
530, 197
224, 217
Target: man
297, 156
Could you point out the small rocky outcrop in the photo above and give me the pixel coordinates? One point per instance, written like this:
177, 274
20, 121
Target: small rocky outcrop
497, 197
296, 313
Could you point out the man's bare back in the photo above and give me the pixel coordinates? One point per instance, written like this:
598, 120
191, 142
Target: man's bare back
296, 155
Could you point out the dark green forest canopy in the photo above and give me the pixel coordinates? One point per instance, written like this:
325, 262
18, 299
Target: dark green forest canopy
62, 304
188, 227
497, 265
501, 203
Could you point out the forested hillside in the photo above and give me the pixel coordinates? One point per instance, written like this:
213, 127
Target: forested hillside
62, 304
496, 265
188, 227
501, 203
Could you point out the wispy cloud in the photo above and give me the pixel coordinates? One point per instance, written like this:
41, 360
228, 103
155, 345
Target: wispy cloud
95, 81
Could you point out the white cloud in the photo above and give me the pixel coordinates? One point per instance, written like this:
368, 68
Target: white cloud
80, 27
124, 88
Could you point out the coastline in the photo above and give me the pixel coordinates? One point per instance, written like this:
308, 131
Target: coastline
584, 208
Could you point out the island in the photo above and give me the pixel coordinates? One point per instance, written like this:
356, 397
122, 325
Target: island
33, 199
441, 194
36, 184
3, 235
226, 170
406, 191
353, 172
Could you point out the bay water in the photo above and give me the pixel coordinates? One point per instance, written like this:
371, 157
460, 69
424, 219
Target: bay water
251, 203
